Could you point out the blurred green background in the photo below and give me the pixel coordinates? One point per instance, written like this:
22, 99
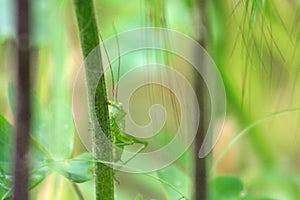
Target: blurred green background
254, 43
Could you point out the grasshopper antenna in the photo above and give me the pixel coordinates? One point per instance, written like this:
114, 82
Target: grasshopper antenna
110, 67
119, 61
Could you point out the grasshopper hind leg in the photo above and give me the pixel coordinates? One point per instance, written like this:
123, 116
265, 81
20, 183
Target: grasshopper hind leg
131, 142
144, 143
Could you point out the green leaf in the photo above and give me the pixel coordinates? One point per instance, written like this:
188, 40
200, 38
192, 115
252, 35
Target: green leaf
178, 179
226, 188
6, 138
254, 198
52, 134
60, 130
38, 175
39, 120
53, 127
77, 170
2, 191
6, 181
5, 184
37, 158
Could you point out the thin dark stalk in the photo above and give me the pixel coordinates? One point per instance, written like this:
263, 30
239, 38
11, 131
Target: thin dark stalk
78, 192
200, 168
23, 114
88, 32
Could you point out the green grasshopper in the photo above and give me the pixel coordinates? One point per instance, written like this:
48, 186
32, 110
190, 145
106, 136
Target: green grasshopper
117, 118
117, 126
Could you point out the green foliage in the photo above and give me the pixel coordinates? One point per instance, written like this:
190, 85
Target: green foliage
37, 173
6, 144
6, 138
59, 130
43, 160
254, 198
47, 151
226, 188
49, 126
230, 188
77, 170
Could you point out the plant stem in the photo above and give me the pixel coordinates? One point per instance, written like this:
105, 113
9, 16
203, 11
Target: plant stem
200, 168
23, 115
78, 192
88, 32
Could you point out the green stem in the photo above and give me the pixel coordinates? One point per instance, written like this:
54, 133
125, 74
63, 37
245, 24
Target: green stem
88, 32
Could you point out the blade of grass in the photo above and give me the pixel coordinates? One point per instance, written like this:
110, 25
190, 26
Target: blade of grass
245, 130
